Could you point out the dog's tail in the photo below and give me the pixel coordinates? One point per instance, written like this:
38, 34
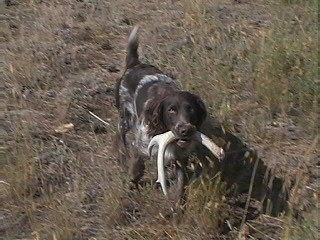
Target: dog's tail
132, 57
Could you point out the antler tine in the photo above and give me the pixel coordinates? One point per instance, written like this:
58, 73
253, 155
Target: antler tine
163, 140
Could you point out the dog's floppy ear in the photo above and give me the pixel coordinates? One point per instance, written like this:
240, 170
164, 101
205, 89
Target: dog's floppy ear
153, 116
200, 114
153, 109
201, 110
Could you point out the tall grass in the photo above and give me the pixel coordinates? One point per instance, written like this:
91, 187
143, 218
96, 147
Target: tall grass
243, 71
286, 65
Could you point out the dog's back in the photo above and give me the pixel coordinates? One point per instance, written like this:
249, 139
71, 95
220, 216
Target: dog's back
131, 79
133, 86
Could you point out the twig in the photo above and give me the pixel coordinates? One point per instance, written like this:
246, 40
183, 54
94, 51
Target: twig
249, 193
269, 224
257, 230
310, 188
272, 218
92, 114
4, 182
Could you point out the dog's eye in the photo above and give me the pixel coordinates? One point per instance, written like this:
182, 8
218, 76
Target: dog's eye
189, 109
172, 110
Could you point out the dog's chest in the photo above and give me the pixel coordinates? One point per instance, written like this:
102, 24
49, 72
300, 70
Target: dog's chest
172, 152
142, 138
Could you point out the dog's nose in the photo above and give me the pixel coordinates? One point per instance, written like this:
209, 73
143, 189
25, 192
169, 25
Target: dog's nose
185, 129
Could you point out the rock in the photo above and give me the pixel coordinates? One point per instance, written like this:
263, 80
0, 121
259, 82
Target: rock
126, 21
7, 2
79, 17
106, 45
51, 93
113, 69
102, 90
99, 128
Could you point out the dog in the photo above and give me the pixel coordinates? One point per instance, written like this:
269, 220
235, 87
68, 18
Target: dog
151, 103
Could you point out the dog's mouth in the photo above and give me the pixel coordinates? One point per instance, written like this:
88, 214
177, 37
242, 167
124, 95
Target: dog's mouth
183, 142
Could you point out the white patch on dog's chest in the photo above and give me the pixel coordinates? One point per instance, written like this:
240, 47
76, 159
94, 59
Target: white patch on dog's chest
142, 138
173, 152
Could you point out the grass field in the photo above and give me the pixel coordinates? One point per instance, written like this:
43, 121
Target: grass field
255, 64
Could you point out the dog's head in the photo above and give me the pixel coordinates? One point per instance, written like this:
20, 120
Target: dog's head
180, 112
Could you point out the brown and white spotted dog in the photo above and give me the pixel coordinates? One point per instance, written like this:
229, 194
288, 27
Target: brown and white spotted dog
151, 103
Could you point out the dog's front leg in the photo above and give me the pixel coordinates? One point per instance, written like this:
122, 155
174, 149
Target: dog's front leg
178, 179
181, 175
136, 166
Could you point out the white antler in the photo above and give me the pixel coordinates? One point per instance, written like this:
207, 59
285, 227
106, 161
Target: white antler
208, 143
163, 140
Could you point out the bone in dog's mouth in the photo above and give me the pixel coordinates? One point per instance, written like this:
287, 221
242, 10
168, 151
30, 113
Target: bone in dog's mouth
164, 139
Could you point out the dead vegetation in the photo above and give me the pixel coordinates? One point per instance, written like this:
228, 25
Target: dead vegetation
255, 63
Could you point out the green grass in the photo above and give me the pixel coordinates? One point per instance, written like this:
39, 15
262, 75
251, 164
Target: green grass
286, 65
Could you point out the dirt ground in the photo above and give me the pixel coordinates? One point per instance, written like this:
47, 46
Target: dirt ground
59, 173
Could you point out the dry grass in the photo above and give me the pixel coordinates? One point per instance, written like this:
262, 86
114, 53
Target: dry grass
255, 63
